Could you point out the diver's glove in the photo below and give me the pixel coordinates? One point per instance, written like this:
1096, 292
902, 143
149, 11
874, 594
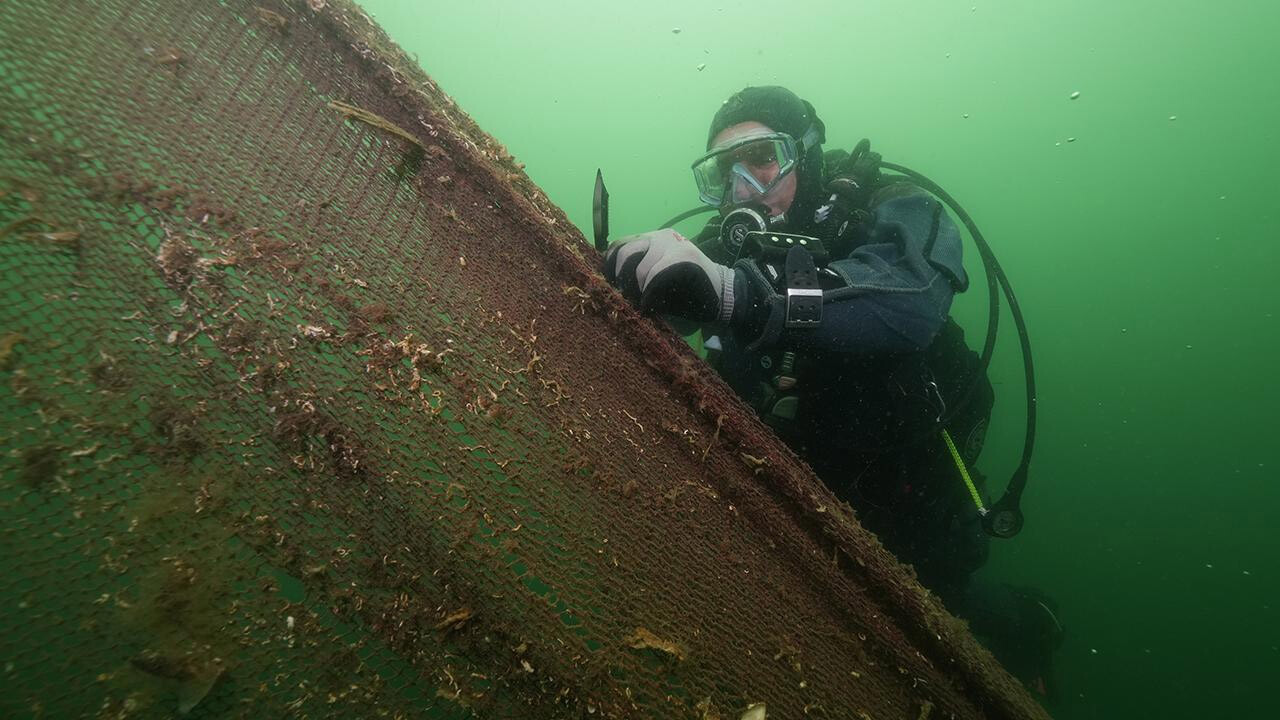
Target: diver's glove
662, 272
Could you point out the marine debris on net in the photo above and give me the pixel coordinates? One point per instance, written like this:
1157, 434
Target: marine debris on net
315, 404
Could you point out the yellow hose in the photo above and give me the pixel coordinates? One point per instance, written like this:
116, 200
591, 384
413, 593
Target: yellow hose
964, 472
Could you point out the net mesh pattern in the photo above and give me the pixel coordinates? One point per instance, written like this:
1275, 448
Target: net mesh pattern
314, 406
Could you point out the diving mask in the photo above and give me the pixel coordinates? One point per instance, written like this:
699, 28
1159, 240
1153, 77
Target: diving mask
744, 168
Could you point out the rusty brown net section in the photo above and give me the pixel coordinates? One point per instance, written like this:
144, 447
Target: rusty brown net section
313, 407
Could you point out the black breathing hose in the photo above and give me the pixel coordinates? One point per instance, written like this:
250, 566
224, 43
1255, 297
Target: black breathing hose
687, 214
1008, 503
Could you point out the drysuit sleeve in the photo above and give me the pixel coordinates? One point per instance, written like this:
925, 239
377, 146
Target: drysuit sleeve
899, 283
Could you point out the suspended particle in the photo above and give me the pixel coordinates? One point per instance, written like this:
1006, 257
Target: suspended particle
675, 31
965, 116
1075, 95
702, 66
1172, 118
1071, 139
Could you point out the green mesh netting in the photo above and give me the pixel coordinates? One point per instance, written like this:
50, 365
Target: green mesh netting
314, 406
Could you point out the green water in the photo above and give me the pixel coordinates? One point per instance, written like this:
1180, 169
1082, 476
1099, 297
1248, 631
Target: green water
1137, 223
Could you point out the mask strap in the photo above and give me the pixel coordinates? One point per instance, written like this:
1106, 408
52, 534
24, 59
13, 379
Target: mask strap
810, 138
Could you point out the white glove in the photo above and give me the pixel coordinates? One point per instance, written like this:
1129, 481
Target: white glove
662, 272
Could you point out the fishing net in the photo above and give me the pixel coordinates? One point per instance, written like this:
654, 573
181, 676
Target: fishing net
314, 406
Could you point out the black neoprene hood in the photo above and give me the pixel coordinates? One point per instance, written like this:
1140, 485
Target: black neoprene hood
775, 106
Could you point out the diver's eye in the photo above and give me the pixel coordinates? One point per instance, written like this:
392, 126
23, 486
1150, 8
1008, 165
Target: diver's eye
760, 157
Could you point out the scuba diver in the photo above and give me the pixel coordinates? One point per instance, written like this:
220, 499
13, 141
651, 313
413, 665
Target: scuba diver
823, 288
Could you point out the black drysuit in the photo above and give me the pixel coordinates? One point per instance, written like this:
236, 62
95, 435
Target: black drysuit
871, 381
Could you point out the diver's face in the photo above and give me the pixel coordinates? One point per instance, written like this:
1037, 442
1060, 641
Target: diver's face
779, 198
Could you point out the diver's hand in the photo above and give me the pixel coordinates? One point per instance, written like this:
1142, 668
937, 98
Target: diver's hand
662, 272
